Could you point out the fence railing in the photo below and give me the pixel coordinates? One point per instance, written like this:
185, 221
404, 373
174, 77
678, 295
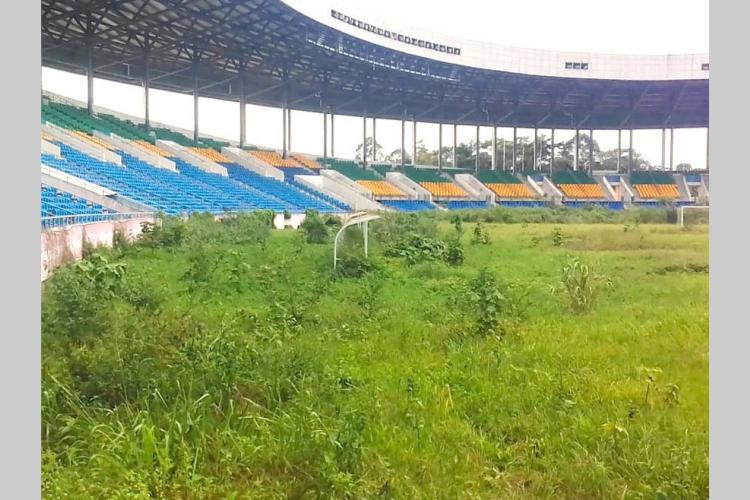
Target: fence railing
71, 220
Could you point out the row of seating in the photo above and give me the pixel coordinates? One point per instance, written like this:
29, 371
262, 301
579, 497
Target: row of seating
289, 192
274, 159
444, 189
522, 203
307, 162
210, 154
351, 170
610, 205
56, 203
381, 188
465, 205
343, 207
657, 190
408, 205
586, 191
511, 190
651, 177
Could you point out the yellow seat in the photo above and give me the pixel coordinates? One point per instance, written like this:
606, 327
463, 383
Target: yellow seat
588, 191
444, 189
307, 162
95, 141
274, 159
211, 154
511, 190
381, 188
657, 190
152, 149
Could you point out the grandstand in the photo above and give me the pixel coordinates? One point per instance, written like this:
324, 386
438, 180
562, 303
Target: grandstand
180, 172
654, 185
578, 185
505, 185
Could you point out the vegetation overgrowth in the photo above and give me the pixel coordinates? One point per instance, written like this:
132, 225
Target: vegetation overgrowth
226, 360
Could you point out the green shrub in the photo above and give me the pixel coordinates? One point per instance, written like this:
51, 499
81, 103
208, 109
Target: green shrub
480, 236
314, 228
582, 285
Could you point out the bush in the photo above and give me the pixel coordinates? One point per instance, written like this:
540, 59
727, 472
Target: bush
582, 285
314, 228
481, 236
488, 304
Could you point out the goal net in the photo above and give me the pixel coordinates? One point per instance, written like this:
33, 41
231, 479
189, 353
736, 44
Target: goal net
692, 215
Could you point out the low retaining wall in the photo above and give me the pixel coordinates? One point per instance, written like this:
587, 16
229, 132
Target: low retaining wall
64, 245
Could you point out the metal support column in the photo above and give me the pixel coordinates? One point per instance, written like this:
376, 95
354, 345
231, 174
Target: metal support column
591, 151
577, 145
364, 138
283, 130
663, 149
523, 155
494, 147
243, 109
619, 150
374, 142
671, 149
414, 141
403, 142
325, 134
630, 153
536, 141
708, 142
289, 129
333, 135
147, 90
504, 155
515, 140
455, 145
552, 152
195, 104
440, 147
90, 78
476, 153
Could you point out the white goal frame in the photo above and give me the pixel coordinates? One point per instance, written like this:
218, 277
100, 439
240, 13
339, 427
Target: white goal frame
681, 212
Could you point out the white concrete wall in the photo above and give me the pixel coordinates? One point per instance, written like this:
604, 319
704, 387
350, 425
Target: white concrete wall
475, 189
64, 245
609, 192
192, 158
345, 181
532, 184
71, 140
551, 191
49, 148
340, 191
252, 163
412, 189
136, 151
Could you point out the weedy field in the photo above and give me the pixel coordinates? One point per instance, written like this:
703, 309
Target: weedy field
465, 359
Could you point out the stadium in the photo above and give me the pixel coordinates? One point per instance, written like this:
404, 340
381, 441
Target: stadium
516, 318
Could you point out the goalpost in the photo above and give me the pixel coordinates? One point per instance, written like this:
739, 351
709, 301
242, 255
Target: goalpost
690, 215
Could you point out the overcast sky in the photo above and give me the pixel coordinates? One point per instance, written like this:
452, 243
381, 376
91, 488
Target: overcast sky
638, 26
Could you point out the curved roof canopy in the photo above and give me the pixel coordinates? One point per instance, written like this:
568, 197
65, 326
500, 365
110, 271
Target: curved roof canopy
285, 56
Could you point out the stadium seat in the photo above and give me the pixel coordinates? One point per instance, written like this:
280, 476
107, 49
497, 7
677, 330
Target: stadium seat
408, 205
57, 203
381, 188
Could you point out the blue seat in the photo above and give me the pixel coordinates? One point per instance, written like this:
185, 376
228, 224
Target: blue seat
408, 205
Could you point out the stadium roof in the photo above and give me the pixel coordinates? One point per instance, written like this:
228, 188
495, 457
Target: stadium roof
287, 56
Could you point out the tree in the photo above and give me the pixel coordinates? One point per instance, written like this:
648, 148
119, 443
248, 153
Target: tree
395, 157
369, 146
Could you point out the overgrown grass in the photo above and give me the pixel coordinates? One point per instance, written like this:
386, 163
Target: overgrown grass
221, 361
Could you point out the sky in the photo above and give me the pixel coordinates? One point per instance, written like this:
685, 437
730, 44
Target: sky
635, 27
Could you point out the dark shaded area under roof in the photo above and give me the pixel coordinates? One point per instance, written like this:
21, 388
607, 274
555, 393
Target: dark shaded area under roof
287, 57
